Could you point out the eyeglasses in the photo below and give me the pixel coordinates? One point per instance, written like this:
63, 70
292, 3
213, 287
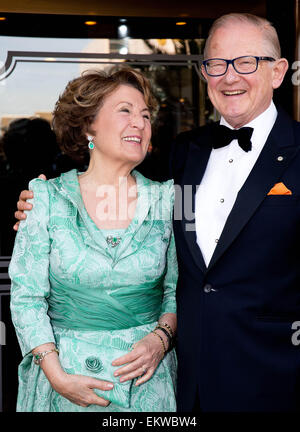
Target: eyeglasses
242, 65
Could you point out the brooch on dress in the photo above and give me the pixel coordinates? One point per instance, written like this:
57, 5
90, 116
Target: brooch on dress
113, 241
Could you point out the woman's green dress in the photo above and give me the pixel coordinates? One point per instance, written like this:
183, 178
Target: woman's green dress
67, 281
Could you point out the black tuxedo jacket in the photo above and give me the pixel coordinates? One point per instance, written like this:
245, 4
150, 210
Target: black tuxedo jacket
235, 317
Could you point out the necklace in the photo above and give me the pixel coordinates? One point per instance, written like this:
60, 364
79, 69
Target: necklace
113, 241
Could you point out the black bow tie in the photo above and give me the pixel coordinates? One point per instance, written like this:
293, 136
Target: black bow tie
223, 136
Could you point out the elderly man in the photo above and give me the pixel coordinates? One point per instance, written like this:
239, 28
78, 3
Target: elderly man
238, 249
239, 255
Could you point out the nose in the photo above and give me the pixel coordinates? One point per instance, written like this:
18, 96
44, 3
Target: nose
137, 121
231, 74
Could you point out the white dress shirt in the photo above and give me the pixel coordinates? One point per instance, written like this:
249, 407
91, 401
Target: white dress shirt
226, 172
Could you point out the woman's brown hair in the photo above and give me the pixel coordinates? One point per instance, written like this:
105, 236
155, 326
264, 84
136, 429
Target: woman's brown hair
81, 100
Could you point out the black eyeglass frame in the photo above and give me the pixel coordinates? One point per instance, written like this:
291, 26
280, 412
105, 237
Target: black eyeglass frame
228, 62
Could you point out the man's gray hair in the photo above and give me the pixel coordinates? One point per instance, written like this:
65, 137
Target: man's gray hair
269, 32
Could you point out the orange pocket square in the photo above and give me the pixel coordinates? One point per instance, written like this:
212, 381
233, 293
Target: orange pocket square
279, 189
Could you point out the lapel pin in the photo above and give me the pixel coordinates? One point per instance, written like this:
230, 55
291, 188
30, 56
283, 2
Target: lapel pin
280, 158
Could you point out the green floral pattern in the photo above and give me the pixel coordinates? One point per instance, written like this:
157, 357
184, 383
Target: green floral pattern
93, 364
67, 282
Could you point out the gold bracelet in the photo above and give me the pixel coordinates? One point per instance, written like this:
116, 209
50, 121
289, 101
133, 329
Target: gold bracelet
161, 339
166, 332
167, 327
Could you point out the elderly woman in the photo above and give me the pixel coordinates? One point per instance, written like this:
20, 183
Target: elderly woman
94, 264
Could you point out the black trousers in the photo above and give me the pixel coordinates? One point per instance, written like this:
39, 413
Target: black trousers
196, 407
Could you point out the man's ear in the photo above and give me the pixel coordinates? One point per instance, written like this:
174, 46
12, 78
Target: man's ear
279, 71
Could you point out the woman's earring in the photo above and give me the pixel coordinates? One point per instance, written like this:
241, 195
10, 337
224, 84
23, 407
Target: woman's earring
91, 145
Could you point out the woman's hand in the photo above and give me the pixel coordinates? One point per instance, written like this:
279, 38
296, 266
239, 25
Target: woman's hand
141, 361
76, 388
79, 389
23, 205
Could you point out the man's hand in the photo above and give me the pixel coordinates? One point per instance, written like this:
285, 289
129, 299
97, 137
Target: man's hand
23, 205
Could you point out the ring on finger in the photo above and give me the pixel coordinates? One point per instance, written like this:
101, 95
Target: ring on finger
144, 370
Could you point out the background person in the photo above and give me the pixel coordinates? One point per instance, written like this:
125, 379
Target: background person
30, 148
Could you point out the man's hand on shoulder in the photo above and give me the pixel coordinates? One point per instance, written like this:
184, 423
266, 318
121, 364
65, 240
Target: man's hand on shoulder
23, 205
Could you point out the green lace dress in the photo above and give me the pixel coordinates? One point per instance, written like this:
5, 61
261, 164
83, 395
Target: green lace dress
67, 281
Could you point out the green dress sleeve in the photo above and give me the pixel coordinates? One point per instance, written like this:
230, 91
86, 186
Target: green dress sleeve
29, 273
171, 275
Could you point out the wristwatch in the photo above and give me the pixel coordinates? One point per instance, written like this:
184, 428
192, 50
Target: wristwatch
39, 356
